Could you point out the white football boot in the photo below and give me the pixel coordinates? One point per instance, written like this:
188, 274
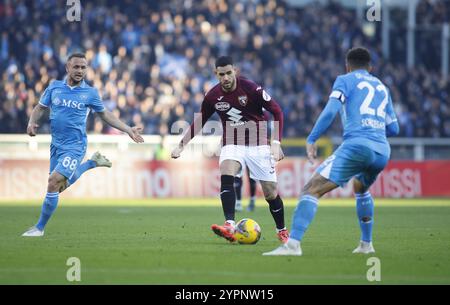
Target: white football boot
364, 248
101, 160
286, 249
33, 232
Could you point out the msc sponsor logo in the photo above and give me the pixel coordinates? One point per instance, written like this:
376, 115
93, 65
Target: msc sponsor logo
222, 106
68, 103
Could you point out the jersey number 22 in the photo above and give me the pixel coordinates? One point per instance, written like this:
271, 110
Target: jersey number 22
365, 106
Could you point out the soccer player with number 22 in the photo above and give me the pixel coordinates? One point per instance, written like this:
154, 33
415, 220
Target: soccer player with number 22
368, 117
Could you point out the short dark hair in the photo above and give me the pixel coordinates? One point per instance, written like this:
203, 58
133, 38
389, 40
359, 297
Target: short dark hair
223, 61
79, 55
358, 57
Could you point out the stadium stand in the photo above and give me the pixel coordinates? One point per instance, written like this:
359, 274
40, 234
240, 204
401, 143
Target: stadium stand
152, 62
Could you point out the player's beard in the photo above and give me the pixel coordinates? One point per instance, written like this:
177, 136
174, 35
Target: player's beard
76, 80
229, 86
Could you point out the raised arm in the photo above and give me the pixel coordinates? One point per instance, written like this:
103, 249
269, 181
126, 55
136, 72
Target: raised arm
274, 108
199, 121
323, 122
113, 121
109, 118
325, 119
335, 101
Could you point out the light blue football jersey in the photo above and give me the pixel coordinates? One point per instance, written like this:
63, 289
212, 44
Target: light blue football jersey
69, 109
367, 109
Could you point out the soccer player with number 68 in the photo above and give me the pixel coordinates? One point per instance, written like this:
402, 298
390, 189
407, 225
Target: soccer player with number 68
70, 102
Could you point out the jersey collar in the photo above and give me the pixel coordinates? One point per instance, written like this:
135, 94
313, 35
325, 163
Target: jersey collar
363, 71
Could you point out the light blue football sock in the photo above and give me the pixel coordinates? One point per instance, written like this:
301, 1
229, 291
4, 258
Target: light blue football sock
364, 210
81, 169
303, 215
48, 207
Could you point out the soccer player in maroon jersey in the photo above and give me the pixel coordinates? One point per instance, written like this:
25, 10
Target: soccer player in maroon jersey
239, 102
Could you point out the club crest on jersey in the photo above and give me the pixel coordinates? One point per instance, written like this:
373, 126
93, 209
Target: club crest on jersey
222, 106
56, 101
243, 100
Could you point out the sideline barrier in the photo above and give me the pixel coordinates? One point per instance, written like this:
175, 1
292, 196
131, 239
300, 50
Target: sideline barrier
27, 179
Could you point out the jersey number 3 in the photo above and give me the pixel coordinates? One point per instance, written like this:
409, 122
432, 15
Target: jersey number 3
365, 107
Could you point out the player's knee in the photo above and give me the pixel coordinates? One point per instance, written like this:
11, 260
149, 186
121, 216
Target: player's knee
54, 183
310, 191
312, 188
271, 196
230, 168
270, 191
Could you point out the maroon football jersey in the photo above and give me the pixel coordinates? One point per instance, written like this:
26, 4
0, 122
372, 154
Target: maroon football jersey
241, 113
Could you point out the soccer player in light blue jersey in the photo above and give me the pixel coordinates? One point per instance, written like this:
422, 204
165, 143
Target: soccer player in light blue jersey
69, 102
368, 118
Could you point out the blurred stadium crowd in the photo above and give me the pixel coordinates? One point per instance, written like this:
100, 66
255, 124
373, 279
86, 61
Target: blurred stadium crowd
153, 61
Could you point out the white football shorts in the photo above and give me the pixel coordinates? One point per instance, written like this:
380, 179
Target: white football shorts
259, 160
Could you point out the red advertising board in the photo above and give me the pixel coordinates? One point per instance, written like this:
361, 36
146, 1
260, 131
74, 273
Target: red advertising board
27, 179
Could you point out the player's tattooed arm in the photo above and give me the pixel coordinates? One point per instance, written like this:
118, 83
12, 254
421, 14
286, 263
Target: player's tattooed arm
110, 119
37, 113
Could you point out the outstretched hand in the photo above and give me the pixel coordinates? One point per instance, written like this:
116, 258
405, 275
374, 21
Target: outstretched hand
135, 134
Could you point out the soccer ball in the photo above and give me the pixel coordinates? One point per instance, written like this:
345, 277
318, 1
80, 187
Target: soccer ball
247, 231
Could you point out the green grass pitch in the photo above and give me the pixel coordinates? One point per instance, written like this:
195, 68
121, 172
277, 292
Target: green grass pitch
169, 241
